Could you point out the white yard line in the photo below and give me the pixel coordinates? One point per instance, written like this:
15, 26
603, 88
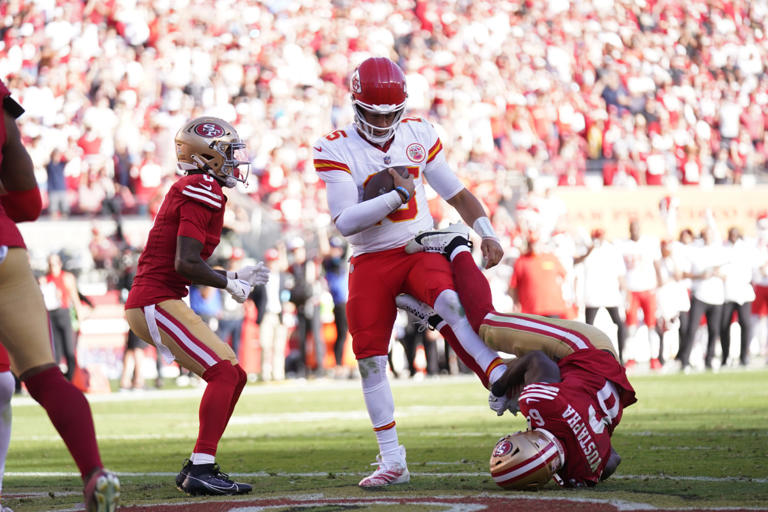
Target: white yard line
316, 474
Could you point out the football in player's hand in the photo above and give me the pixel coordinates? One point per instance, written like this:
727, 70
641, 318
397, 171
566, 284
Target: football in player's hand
381, 182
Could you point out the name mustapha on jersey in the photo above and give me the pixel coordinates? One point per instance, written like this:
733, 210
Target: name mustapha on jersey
576, 418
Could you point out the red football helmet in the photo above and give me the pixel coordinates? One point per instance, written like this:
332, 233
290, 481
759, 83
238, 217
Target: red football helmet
378, 87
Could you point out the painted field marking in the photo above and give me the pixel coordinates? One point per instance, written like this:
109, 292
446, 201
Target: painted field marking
320, 474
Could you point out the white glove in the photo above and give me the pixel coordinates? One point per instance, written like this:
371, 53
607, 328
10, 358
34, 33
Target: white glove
253, 274
239, 289
499, 404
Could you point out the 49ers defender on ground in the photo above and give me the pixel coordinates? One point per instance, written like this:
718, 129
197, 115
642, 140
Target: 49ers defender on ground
186, 231
24, 329
378, 229
567, 380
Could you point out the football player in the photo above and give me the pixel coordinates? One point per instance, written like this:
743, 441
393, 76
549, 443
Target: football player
26, 336
186, 230
378, 229
566, 380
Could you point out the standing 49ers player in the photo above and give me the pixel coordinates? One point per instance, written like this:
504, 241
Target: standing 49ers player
567, 380
379, 228
27, 336
186, 231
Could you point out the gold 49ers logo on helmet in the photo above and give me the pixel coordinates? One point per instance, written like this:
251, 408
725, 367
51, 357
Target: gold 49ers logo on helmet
502, 448
209, 130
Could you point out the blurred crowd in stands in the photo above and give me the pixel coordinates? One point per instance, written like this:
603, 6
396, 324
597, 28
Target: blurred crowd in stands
652, 92
646, 92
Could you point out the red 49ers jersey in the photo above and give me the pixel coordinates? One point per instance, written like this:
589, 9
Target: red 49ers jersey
9, 233
581, 411
193, 207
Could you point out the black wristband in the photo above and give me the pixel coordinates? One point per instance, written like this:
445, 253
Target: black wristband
404, 195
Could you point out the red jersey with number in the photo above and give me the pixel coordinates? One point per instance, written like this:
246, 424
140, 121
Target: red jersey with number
581, 411
9, 233
193, 207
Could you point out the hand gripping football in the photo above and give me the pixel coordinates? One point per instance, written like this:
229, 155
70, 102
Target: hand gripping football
381, 182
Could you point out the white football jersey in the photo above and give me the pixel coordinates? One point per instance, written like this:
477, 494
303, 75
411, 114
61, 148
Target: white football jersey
343, 155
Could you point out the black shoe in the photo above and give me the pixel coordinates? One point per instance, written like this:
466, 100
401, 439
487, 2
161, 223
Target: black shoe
183, 474
208, 480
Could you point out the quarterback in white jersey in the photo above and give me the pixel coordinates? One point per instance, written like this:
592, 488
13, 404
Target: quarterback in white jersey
378, 230
345, 156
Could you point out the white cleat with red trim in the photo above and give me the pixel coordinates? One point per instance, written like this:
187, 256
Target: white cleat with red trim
389, 473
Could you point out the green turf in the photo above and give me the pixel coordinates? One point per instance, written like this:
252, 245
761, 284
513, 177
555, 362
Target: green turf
710, 429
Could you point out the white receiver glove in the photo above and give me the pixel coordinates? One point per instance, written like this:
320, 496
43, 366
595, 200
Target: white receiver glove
239, 289
253, 274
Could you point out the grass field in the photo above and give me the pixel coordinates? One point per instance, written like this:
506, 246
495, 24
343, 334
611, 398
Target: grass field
691, 441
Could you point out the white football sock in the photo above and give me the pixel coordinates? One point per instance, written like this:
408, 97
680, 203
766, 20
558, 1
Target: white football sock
380, 404
7, 387
202, 458
458, 250
448, 306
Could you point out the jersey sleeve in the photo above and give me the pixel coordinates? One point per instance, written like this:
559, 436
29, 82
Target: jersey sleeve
437, 171
194, 220
198, 189
539, 401
329, 164
200, 199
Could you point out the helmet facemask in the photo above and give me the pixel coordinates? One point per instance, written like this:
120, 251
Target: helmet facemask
372, 132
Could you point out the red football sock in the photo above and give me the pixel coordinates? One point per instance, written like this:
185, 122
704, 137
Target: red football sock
242, 379
70, 414
472, 287
216, 405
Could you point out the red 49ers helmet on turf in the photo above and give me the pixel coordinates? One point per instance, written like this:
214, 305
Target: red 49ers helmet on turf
526, 460
378, 87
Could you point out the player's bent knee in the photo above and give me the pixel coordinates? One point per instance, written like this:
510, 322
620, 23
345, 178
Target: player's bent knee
449, 307
223, 371
242, 377
28, 373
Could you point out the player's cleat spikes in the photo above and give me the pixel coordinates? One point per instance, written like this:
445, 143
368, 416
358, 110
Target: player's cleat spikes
425, 315
387, 473
208, 480
443, 240
102, 491
183, 474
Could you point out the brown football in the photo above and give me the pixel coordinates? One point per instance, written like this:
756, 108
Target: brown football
381, 182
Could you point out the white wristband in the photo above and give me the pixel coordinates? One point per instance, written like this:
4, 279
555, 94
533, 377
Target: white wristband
482, 227
231, 274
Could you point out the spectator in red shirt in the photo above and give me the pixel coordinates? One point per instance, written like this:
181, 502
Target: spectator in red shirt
621, 172
536, 284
